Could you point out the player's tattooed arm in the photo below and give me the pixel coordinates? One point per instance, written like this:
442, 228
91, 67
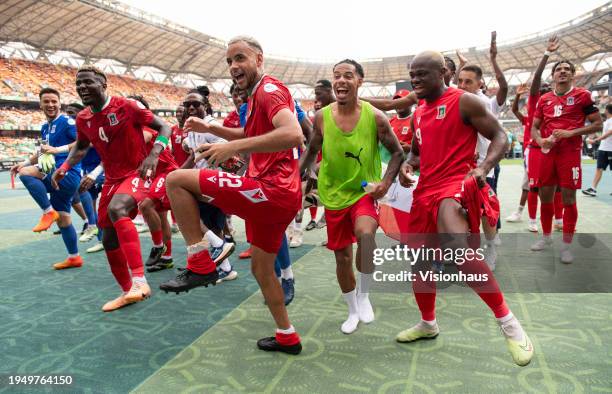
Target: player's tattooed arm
389, 104
389, 140
406, 173
473, 112
149, 164
308, 158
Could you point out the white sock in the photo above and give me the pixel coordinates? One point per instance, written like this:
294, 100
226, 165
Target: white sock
533, 221
565, 246
350, 324
511, 327
364, 284
48, 210
290, 330
73, 255
430, 323
559, 222
158, 246
214, 240
139, 279
547, 237
505, 319
287, 273
520, 209
297, 226
166, 257
226, 266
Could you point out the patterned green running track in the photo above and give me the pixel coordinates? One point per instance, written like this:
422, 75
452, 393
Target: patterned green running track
205, 341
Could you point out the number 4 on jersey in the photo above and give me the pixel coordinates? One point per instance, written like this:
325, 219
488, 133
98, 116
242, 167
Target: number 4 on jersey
102, 135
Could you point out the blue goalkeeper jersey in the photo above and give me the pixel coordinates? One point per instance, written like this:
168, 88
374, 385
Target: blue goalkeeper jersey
59, 132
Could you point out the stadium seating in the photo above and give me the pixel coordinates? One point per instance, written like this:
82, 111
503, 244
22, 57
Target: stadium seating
23, 79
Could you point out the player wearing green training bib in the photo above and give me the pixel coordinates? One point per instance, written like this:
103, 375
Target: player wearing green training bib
349, 131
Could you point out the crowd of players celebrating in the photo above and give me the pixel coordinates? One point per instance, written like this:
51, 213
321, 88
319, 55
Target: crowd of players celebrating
117, 155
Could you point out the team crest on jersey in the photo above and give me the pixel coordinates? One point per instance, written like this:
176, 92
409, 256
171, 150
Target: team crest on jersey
255, 195
570, 101
441, 112
213, 179
112, 119
52, 129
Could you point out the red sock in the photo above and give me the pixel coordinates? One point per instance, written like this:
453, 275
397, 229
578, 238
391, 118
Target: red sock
158, 237
546, 215
201, 263
168, 244
313, 213
287, 339
119, 268
487, 290
532, 204
130, 244
425, 295
570, 217
558, 206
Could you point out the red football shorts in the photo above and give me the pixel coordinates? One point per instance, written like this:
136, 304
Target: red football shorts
157, 193
533, 165
425, 205
562, 168
133, 186
341, 222
266, 221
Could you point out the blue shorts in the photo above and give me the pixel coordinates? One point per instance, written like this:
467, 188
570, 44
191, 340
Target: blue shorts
212, 217
61, 200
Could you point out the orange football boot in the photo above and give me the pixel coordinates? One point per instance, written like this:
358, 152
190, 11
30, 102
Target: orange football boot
70, 262
46, 220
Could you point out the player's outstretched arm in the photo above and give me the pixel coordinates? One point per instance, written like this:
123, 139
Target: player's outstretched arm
285, 135
389, 140
389, 104
515, 104
473, 112
536, 83
77, 153
502, 92
210, 125
314, 146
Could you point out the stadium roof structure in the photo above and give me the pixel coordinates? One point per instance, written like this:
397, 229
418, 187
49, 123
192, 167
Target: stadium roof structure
108, 29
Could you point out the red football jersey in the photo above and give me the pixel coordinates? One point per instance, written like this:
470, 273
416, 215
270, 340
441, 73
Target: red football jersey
116, 134
446, 144
177, 145
166, 162
401, 128
532, 102
565, 112
279, 171
232, 120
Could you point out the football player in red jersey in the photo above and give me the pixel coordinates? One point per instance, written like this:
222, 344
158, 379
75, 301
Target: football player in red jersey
177, 137
155, 206
267, 197
113, 126
558, 127
401, 123
531, 149
446, 161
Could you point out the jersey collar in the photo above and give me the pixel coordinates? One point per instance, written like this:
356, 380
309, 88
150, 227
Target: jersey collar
564, 94
257, 84
108, 99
